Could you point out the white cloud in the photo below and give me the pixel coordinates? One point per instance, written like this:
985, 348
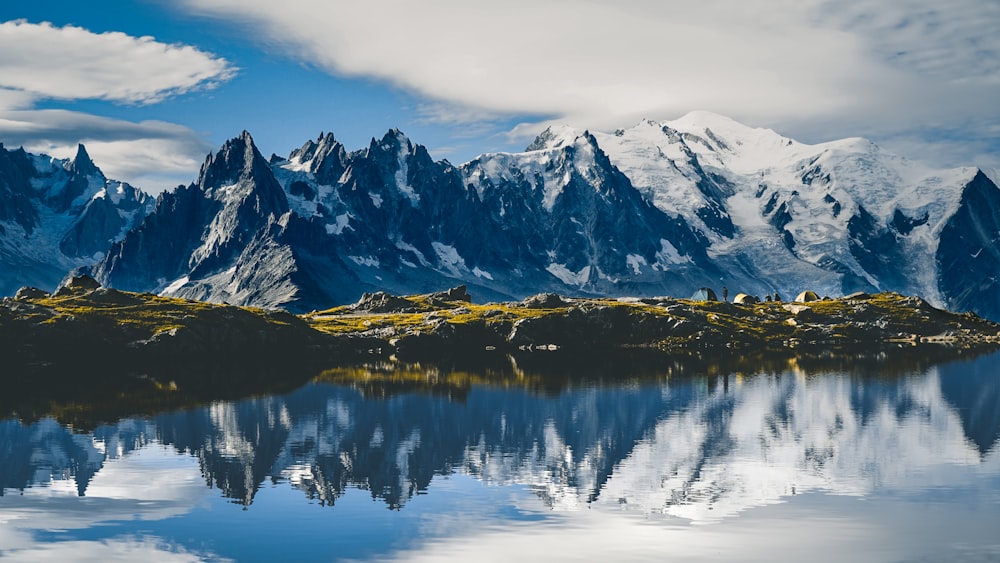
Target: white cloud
883, 67
119, 549
74, 63
813, 527
40, 61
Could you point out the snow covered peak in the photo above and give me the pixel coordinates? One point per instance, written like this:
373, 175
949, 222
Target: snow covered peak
553, 137
699, 120
728, 143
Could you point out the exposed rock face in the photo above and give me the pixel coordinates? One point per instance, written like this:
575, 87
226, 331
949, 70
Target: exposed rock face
231, 238
968, 256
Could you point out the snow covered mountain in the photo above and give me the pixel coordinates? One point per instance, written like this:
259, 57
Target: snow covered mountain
56, 215
661, 208
836, 217
324, 225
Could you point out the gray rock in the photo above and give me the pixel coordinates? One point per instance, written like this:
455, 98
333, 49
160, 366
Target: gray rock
459, 293
77, 284
544, 301
28, 292
381, 302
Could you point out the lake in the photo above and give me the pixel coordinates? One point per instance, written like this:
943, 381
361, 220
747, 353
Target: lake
845, 461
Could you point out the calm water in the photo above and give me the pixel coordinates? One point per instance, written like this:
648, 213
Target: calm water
766, 465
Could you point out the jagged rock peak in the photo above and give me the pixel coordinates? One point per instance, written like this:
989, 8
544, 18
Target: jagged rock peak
82, 164
313, 154
311, 148
393, 138
237, 159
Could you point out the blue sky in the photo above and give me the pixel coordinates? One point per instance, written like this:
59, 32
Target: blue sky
152, 86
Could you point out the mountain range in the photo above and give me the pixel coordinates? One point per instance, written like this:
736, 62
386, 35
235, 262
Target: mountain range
662, 208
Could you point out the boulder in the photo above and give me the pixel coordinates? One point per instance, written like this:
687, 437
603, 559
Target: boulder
82, 283
381, 302
458, 293
544, 301
28, 292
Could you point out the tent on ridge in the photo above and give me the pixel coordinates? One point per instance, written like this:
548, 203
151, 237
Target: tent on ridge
806, 296
744, 299
704, 294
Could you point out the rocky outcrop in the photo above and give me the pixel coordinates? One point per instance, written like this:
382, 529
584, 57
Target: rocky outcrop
77, 284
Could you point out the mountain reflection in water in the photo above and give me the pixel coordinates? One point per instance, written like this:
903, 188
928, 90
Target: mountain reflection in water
698, 448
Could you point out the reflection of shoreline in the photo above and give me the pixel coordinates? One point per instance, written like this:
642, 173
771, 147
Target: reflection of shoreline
698, 447
86, 397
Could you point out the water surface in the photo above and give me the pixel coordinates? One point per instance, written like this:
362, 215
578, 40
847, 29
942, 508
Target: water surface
858, 463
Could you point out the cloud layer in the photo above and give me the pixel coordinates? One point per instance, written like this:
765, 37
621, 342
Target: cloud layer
41, 62
813, 68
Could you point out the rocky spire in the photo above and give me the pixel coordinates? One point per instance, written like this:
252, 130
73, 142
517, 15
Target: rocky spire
82, 163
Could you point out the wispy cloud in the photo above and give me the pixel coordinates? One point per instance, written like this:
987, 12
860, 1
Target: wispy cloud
40, 62
782, 63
